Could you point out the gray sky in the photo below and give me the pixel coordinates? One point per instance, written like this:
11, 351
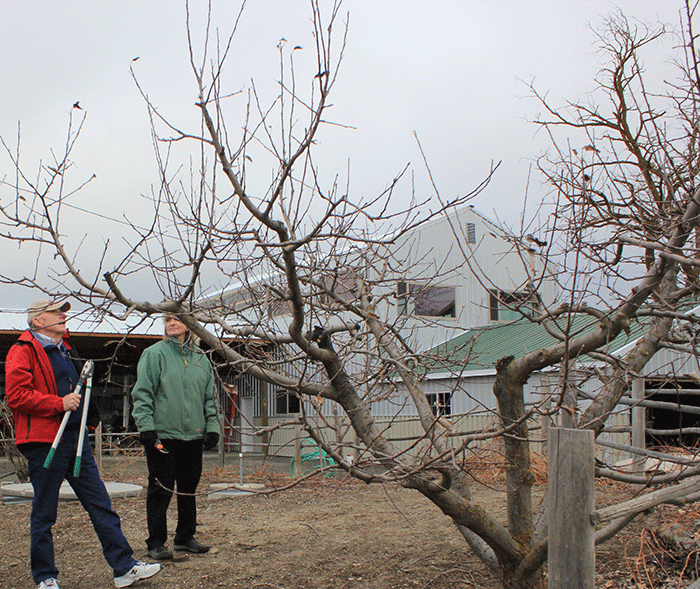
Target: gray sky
450, 71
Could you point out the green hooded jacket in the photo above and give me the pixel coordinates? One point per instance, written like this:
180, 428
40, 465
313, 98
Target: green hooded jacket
174, 392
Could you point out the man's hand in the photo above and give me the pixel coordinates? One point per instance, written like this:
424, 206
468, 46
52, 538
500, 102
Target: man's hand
71, 401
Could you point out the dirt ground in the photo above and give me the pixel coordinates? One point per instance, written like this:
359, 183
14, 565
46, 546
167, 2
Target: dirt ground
321, 534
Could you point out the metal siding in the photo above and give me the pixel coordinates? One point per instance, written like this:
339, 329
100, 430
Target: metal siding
467, 394
669, 363
405, 433
432, 250
87, 322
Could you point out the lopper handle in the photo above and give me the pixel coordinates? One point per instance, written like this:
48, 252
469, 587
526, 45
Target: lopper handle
83, 425
56, 440
86, 372
49, 457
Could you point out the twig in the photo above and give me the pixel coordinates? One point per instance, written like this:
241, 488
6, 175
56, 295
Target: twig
311, 528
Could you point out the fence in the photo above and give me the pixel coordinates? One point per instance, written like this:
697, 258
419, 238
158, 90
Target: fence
405, 433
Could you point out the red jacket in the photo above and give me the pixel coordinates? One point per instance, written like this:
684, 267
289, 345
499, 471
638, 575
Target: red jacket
31, 391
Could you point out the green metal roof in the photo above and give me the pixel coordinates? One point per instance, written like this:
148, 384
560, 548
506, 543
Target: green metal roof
480, 348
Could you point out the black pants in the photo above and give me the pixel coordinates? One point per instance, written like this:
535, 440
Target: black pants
178, 470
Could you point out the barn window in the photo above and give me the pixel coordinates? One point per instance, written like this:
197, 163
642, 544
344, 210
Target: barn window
503, 305
286, 403
440, 403
426, 300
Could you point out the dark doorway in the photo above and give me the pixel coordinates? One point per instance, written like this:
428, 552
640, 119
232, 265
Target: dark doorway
671, 425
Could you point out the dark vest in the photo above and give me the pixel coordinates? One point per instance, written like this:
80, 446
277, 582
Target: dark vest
66, 375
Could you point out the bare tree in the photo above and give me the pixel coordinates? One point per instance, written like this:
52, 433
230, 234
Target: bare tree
305, 274
626, 210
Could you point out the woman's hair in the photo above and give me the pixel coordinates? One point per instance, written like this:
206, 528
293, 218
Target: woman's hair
192, 338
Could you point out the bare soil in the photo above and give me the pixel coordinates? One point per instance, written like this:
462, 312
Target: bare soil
326, 533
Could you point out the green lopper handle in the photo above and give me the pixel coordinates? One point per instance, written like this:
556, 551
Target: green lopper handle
49, 457
76, 467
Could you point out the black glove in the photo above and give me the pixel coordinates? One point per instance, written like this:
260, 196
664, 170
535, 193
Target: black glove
210, 440
148, 439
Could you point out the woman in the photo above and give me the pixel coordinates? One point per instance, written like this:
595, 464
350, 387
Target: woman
174, 411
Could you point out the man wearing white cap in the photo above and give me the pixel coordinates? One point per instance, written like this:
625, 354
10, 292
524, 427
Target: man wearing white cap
41, 376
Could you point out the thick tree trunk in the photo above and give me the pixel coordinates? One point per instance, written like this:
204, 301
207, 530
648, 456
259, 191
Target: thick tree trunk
511, 581
519, 477
508, 389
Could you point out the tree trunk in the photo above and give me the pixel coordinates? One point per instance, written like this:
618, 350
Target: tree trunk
513, 580
519, 477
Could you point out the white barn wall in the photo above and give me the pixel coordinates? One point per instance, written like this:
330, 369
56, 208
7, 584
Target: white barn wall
471, 414
405, 433
472, 405
670, 362
439, 248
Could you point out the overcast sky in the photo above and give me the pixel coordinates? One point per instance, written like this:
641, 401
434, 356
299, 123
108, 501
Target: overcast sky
450, 71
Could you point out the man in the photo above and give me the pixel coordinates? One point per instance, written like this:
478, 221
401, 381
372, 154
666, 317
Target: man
41, 378
173, 407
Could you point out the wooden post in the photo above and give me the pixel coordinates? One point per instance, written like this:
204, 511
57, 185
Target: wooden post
638, 424
125, 402
221, 449
571, 497
264, 414
546, 420
98, 445
297, 451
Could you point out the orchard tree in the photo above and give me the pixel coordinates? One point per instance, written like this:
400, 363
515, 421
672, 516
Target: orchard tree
290, 281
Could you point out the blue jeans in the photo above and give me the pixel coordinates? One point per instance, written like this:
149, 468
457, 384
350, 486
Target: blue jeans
92, 494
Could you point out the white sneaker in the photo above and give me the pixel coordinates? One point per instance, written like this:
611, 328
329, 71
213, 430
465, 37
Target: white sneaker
48, 584
141, 570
